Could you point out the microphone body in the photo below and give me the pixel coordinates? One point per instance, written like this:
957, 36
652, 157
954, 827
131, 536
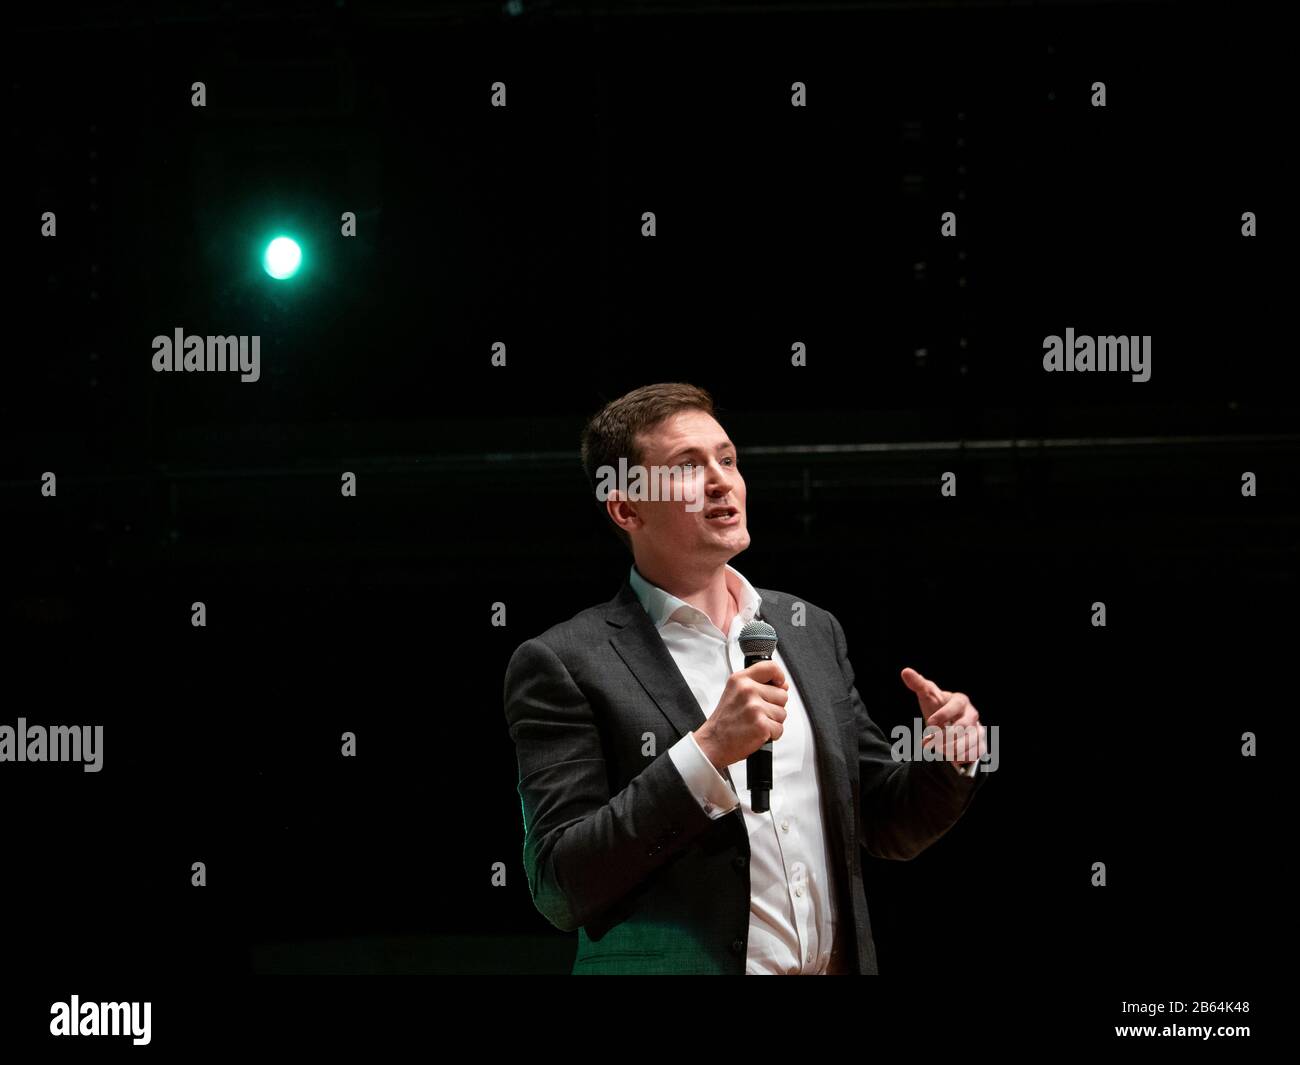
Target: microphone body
758, 643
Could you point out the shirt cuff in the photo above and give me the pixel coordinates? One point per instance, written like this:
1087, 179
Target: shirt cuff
711, 791
966, 770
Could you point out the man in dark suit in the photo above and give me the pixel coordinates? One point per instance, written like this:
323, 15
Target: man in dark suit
632, 722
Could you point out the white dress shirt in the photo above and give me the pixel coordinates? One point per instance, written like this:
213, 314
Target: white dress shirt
792, 917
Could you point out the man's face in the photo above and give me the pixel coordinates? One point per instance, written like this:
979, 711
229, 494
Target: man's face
710, 524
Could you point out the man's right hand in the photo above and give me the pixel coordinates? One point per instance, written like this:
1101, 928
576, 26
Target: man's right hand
750, 713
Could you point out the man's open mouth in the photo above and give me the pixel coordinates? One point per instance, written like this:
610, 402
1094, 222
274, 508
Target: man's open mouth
720, 512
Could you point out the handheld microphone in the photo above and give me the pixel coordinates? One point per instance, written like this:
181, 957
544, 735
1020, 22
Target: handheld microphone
758, 644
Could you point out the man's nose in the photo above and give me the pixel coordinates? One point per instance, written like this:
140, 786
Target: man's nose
718, 478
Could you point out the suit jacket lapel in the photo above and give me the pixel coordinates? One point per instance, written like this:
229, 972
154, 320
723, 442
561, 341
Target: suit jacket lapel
808, 674
819, 694
639, 645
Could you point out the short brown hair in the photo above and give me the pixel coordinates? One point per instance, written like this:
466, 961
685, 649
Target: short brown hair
612, 433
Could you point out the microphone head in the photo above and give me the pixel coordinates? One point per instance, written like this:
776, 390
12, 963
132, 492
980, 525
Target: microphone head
757, 638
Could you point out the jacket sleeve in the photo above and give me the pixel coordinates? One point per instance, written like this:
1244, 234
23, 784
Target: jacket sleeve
583, 848
906, 805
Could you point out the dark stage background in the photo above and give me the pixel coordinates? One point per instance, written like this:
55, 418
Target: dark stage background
776, 225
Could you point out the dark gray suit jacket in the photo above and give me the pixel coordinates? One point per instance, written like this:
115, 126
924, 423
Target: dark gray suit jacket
615, 844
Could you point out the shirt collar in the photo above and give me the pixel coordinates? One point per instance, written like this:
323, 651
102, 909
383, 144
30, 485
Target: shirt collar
664, 607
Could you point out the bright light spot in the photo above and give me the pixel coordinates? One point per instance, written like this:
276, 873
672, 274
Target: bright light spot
282, 258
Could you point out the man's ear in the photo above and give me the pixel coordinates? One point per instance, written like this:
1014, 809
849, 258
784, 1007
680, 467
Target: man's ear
618, 506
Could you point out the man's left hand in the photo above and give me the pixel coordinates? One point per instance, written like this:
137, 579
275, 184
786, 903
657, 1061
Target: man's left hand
954, 713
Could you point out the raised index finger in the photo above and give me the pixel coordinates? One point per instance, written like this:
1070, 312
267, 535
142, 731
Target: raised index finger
923, 687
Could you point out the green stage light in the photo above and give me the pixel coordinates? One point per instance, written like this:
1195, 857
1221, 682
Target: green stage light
282, 258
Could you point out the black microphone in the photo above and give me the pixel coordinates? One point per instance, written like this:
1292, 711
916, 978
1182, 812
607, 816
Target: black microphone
758, 644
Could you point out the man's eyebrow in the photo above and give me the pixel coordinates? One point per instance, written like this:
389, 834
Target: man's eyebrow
693, 449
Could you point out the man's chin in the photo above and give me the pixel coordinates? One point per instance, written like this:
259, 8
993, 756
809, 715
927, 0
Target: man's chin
734, 539
735, 544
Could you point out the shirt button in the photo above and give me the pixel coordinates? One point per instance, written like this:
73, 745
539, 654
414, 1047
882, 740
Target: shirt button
737, 946
799, 891
785, 826
810, 955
